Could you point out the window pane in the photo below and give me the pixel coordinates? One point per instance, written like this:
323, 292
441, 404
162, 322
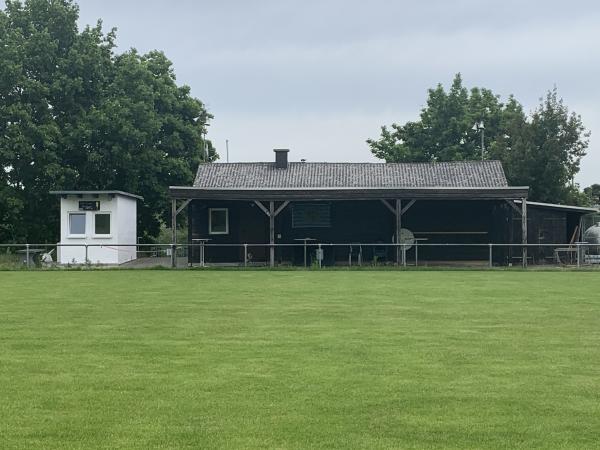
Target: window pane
311, 215
76, 223
102, 224
218, 221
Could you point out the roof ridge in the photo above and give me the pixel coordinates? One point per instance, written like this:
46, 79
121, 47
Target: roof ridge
382, 163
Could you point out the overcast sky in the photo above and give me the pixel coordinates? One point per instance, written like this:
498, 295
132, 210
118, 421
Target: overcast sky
320, 77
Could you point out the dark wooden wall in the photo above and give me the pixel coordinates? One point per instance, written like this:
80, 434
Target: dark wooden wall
544, 226
247, 224
458, 222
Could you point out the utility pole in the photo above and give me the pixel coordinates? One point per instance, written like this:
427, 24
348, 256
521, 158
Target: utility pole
227, 147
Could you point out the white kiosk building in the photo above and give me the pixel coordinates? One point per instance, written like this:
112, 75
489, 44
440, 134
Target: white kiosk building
98, 224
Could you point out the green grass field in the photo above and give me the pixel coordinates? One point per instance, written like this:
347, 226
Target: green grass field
299, 360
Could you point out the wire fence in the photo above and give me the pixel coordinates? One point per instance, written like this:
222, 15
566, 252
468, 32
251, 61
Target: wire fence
308, 254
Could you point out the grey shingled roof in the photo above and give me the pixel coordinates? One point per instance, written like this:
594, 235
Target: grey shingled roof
463, 174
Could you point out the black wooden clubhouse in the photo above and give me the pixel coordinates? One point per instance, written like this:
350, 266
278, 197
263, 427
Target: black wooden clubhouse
281, 202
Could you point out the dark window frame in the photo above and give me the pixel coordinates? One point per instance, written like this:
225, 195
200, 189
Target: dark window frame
103, 213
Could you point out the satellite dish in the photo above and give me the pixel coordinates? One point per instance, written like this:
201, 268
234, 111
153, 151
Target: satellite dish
407, 237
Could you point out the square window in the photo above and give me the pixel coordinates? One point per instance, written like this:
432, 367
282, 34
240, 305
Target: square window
218, 221
77, 223
102, 224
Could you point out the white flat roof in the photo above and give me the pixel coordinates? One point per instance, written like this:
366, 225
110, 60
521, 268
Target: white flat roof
581, 209
122, 193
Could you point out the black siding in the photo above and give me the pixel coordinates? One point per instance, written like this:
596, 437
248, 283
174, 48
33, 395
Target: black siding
435, 221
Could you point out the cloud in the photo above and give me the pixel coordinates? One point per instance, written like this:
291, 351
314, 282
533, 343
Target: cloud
322, 76
315, 137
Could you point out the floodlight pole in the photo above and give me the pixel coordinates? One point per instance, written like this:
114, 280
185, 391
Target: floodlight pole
479, 126
204, 145
482, 141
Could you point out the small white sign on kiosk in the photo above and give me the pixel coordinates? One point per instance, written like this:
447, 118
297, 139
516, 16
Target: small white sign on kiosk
99, 224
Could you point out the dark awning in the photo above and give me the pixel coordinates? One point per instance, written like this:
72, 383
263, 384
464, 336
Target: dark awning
433, 193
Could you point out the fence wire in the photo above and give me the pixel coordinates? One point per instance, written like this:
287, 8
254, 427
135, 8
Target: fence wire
307, 254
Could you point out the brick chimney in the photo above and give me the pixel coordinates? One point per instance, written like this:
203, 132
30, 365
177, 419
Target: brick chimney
281, 158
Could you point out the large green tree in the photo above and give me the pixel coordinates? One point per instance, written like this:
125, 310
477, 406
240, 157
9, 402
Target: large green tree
74, 114
542, 150
445, 130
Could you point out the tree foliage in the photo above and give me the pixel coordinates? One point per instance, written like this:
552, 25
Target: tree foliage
593, 194
542, 150
76, 115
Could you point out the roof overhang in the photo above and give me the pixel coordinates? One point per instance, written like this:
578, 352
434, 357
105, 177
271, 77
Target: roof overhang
575, 209
82, 193
431, 193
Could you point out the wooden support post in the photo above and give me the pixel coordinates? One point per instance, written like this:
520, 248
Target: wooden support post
407, 207
182, 207
511, 203
262, 207
399, 251
399, 211
272, 233
173, 233
388, 206
520, 211
271, 214
524, 230
281, 207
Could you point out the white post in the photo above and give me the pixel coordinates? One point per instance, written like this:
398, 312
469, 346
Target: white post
399, 251
320, 257
272, 234
173, 233
524, 230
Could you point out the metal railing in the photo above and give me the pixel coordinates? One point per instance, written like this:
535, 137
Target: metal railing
306, 254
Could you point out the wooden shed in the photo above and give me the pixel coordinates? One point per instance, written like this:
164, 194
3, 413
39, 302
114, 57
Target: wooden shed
282, 202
